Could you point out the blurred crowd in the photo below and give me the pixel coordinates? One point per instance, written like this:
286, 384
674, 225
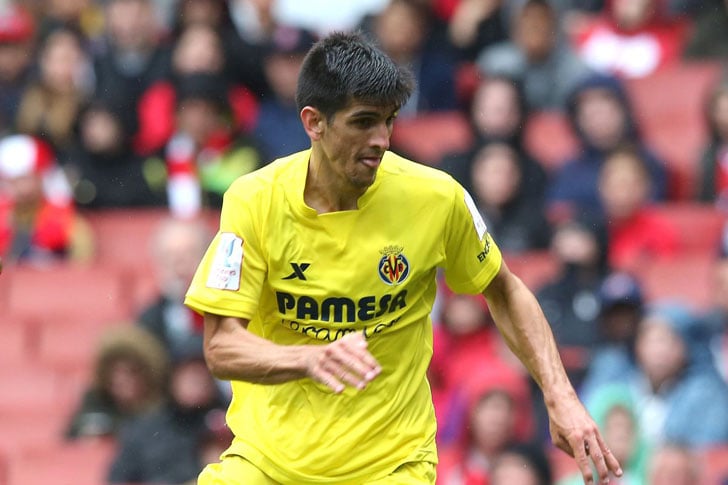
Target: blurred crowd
134, 104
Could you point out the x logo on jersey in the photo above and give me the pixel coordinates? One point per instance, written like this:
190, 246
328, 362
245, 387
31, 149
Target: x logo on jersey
298, 270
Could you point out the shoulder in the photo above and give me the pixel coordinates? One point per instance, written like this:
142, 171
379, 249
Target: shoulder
265, 180
411, 174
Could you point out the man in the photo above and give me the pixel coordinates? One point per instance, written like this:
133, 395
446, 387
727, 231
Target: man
318, 287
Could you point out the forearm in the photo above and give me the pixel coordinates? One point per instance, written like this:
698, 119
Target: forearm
234, 353
523, 325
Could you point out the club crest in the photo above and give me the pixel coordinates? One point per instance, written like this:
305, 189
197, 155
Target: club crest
393, 265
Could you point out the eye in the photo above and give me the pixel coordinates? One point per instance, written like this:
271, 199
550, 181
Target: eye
364, 122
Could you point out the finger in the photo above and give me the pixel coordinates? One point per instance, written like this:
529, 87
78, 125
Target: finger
596, 453
328, 379
610, 459
580, 450
356, 361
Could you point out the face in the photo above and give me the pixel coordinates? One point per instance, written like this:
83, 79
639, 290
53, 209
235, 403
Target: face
496, 176
61, 62
492, 423
575, 245
281, 71
619, 433
495, 110
623, 186
101, 132
632, 14
463, 315
192, 386
198, 118
619, 323
353, 142
179, 248
400, 30
660, 351
673, 467
601, 118
721, 284
510, 469
14, 58
535, 32
130, 23
198, 50
126, 383
208, 12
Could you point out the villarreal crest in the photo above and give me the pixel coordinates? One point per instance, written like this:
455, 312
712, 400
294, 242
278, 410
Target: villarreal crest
393, 266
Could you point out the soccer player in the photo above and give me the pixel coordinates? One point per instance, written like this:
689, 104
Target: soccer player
318, 287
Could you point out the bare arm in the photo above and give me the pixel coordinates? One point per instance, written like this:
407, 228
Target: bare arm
234, 353
520, 320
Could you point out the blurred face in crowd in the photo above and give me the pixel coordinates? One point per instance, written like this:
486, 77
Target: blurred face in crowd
179, 245
492, 423
660, 351
101, 131
131, 24
14, 60
127, 384
206, 12
511, 469
281, 71
721, 284
624, 186
62, 62
619, 322
620, 433
198, 118
496, 175
673, 466
400, 29
496, 111
198, 50
192, 386
601, 118
574, 244
535, 32
719, 114
632, 14
68, 10
464, 314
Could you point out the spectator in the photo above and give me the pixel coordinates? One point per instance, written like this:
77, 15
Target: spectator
129, 374
602, 120
498, 114
714, 161
615, 413
38, 221
278, 131
204, 156
632, 38
636, 233
621, 306
674, 464
405, 31
109, 173
50, 104
517, 221
717, 316
84, 16
521, 464
571, 299
164, 445
537, 56
177, 246
132, 57
17, 29
491, 429
675, 380
198, 50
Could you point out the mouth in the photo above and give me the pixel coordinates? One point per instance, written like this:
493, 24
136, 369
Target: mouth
371, 162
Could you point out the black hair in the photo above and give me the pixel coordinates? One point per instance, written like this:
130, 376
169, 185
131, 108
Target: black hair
346, 66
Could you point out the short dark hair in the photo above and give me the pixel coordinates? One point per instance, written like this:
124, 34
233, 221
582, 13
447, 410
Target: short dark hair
346, 66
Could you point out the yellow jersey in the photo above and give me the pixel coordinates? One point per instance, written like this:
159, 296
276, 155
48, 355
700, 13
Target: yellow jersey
301, 277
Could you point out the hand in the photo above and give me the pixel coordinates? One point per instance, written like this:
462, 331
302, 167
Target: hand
574, 431
343, 362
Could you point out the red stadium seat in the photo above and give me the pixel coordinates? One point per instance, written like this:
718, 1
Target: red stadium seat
687, 278
27, 389
549, 138
699, 226
78, 463
535, 268
429, 137
32, 431
669, 106
714, 463
15, 343
69, 348
94, 294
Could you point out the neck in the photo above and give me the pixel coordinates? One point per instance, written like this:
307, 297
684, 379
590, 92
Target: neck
325, 190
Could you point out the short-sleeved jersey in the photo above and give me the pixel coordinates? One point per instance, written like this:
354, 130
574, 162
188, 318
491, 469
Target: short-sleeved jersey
301, 277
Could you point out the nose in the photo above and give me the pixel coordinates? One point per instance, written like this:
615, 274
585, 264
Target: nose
380, 136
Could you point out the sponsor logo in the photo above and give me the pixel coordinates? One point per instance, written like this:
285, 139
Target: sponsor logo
298, 270
486, 249
339, 309
227, 263
393, 266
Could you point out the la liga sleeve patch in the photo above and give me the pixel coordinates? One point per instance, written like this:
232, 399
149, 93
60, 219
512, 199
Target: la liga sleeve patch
227, 263
480, 228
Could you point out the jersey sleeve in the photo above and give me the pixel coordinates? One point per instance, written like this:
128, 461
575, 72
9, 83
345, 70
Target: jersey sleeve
229, 279
472, 257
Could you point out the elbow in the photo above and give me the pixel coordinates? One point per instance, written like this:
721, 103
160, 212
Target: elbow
215, 363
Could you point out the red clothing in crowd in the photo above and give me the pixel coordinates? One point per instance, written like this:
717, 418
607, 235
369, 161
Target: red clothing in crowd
51, 231
606, 47
644, 236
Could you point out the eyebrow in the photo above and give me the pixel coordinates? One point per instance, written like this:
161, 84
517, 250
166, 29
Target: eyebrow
371, 113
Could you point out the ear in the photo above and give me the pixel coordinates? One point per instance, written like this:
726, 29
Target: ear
313, 122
